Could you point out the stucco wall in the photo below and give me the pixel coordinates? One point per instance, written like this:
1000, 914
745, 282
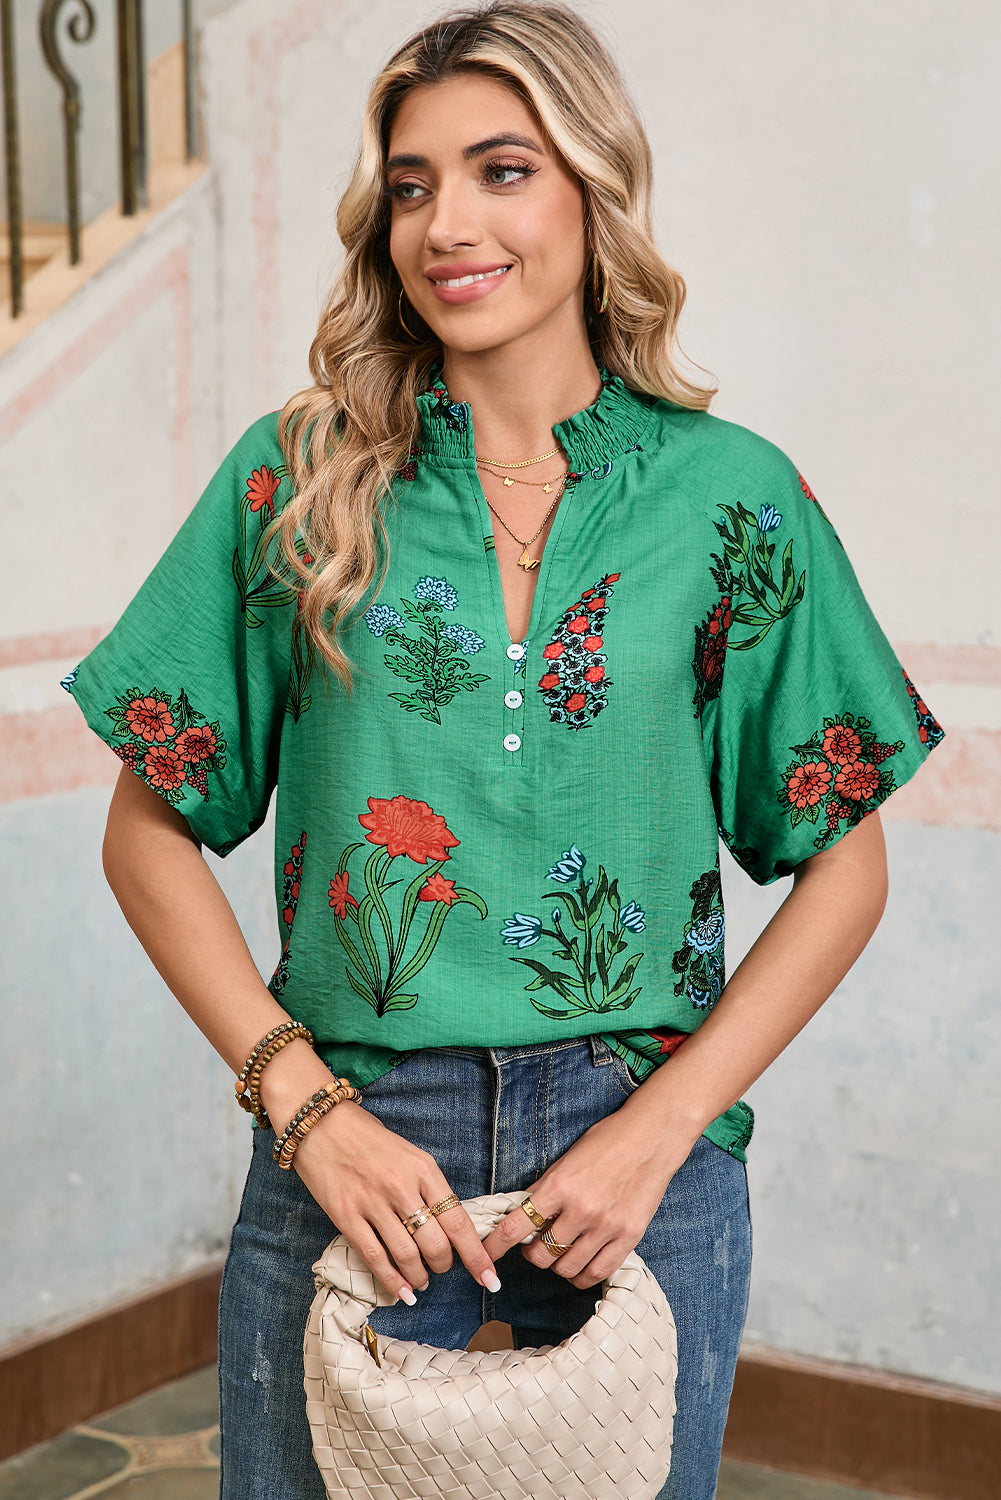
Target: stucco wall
823, 181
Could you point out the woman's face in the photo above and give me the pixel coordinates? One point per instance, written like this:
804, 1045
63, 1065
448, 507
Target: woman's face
476, 191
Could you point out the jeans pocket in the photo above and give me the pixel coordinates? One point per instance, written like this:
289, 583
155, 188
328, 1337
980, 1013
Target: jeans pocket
624, 1075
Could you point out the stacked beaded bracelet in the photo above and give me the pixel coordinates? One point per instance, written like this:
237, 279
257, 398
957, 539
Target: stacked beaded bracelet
312, 1111
248, 1084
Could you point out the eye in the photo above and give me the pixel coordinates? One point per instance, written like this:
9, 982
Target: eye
399, 191
521, 169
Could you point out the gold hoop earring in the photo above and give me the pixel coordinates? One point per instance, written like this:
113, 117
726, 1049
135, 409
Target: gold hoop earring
596, 270
406, 328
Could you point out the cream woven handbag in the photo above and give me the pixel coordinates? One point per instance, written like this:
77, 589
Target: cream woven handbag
590, 1419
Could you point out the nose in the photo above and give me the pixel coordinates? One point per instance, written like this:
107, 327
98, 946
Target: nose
454, 220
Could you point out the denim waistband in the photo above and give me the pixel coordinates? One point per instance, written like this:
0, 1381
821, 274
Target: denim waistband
599, 1049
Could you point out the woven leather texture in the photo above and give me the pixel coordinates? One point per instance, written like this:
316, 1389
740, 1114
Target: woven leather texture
589, 1419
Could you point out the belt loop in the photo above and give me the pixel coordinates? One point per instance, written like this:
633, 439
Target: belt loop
601, 1053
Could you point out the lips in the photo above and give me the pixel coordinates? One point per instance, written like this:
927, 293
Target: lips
461, 270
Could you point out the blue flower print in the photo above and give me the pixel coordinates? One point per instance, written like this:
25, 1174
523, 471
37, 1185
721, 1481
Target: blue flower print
570, 865
632, 917
437, 590
698, 963
595, 972
467, 640
382, 617
768, 519
519, 665
522, 929
707, 934
68, 681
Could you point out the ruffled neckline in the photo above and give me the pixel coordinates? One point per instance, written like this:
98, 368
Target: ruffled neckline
593, 438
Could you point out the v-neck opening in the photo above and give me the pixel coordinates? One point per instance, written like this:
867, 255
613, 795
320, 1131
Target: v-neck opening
492, 561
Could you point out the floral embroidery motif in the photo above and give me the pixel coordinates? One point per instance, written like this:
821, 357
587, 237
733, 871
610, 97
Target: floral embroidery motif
408, 471
434, 658
290, 899
586, 983
166, 741
930, 731
811, 496
710, 653
760, 595
68, 681
574, 687
698, 963
266, 592
455, 414
399, 827
838, 770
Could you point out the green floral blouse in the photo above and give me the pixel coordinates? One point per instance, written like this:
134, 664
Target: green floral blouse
497, 842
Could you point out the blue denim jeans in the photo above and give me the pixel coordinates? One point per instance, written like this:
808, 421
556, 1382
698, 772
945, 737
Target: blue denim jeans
494, 1120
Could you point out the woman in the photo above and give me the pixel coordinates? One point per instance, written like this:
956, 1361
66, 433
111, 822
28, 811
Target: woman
503, 752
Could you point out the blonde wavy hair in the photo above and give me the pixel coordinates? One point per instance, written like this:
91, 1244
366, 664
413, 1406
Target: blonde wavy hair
345, 438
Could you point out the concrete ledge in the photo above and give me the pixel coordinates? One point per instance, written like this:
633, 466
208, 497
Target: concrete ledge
52, 1383
862, 1427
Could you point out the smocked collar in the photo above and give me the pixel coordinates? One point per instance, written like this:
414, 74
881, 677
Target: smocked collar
592, 438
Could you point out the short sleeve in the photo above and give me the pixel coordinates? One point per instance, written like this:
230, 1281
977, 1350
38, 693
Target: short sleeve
190, 686
816, 723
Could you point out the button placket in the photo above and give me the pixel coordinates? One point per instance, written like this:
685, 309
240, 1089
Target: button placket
513, 712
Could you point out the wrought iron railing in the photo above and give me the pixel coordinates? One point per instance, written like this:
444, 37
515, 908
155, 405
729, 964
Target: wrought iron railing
81, 18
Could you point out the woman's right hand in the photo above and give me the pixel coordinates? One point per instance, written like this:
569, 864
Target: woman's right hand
368, 1179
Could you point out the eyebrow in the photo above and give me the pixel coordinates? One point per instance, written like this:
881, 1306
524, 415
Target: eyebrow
468, 152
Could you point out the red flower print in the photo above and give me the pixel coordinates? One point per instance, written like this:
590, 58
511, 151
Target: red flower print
163, 768
574, 691
720, 618
196, 743
339, 898
611, 578
806, 489
150, 719
126, 753
261, 487
287, 915
437, 888
841, 745
404, 826
289, 868
858, 781
808, 784
669, 1041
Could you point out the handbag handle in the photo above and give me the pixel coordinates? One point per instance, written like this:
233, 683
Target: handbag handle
341, 1269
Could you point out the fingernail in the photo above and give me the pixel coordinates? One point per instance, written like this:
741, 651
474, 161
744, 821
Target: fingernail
491, 1281
424, 1287
407, 1296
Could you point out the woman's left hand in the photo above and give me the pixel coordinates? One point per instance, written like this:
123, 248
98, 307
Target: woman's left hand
600, 1197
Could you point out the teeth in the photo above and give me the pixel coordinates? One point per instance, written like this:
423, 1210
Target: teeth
468, 280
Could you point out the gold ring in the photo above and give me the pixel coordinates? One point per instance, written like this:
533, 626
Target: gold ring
419, 1216
553, 1246
539, 1220
444, 1205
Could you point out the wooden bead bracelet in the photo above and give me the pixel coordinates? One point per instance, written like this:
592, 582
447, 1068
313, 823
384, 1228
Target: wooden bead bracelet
312, 1111
248, 1082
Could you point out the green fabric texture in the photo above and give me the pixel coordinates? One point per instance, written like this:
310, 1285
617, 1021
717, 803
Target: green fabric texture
497, 843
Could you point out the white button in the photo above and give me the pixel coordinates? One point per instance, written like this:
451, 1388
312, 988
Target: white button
512, 742
516, 651
513, 699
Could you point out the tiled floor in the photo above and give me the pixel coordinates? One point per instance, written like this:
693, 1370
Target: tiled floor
165, 1447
